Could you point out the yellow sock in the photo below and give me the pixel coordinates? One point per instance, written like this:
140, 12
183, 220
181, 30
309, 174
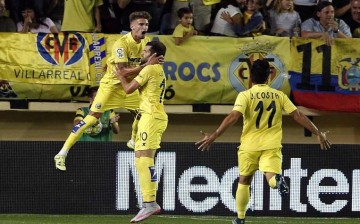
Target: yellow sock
272, 182
242, 199
145, 167
134, 128
76, 133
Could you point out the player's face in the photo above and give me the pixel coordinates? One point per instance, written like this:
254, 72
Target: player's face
139, 27
145, 54
187, 20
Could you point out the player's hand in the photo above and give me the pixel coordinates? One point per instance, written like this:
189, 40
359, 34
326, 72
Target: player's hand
154, 59
205, 143
324, 142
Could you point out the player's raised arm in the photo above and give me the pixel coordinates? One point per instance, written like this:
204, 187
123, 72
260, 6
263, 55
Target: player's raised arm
300, 118
208, 139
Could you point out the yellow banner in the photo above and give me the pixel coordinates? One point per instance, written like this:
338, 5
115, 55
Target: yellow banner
201, 70
216, 69
45, 58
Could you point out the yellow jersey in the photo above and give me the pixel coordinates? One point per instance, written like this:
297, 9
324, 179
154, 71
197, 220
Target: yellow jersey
125, 49
262, 108
152, 91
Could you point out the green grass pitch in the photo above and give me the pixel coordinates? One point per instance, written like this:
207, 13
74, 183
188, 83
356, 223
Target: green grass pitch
161, 219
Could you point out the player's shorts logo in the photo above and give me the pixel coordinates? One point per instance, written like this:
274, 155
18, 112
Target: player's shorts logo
60, 49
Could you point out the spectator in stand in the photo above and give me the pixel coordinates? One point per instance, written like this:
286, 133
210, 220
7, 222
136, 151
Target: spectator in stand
6, 23
110, 17
33, 23
55, 11
82, 16
184, 30
254, 23
324, 24
305, 8
150, 6
223, 28
353, 19
284, 20
107, 123
201, 11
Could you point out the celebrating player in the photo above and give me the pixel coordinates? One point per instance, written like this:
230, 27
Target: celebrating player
126, 57
153, 121
261, 108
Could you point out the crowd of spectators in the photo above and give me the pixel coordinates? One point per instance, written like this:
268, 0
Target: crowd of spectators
326, 19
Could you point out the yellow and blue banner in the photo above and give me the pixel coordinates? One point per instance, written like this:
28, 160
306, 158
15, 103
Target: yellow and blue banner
326, 77
202, 70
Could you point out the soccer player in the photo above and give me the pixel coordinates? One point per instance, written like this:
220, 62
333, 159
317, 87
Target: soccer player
153, 121
126, 57
261, 108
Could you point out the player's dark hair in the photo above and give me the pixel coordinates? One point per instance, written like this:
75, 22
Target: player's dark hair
91, 91
139, 15
260, 71
157, 47
182, 11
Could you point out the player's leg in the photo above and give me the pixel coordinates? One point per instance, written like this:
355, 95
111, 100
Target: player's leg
147, 141
119, 99
248, 164
104, 93
131, 143
270, 165
131, 103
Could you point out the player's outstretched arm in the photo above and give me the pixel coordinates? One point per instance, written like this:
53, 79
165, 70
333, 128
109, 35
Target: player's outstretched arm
208, 139
304, 121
